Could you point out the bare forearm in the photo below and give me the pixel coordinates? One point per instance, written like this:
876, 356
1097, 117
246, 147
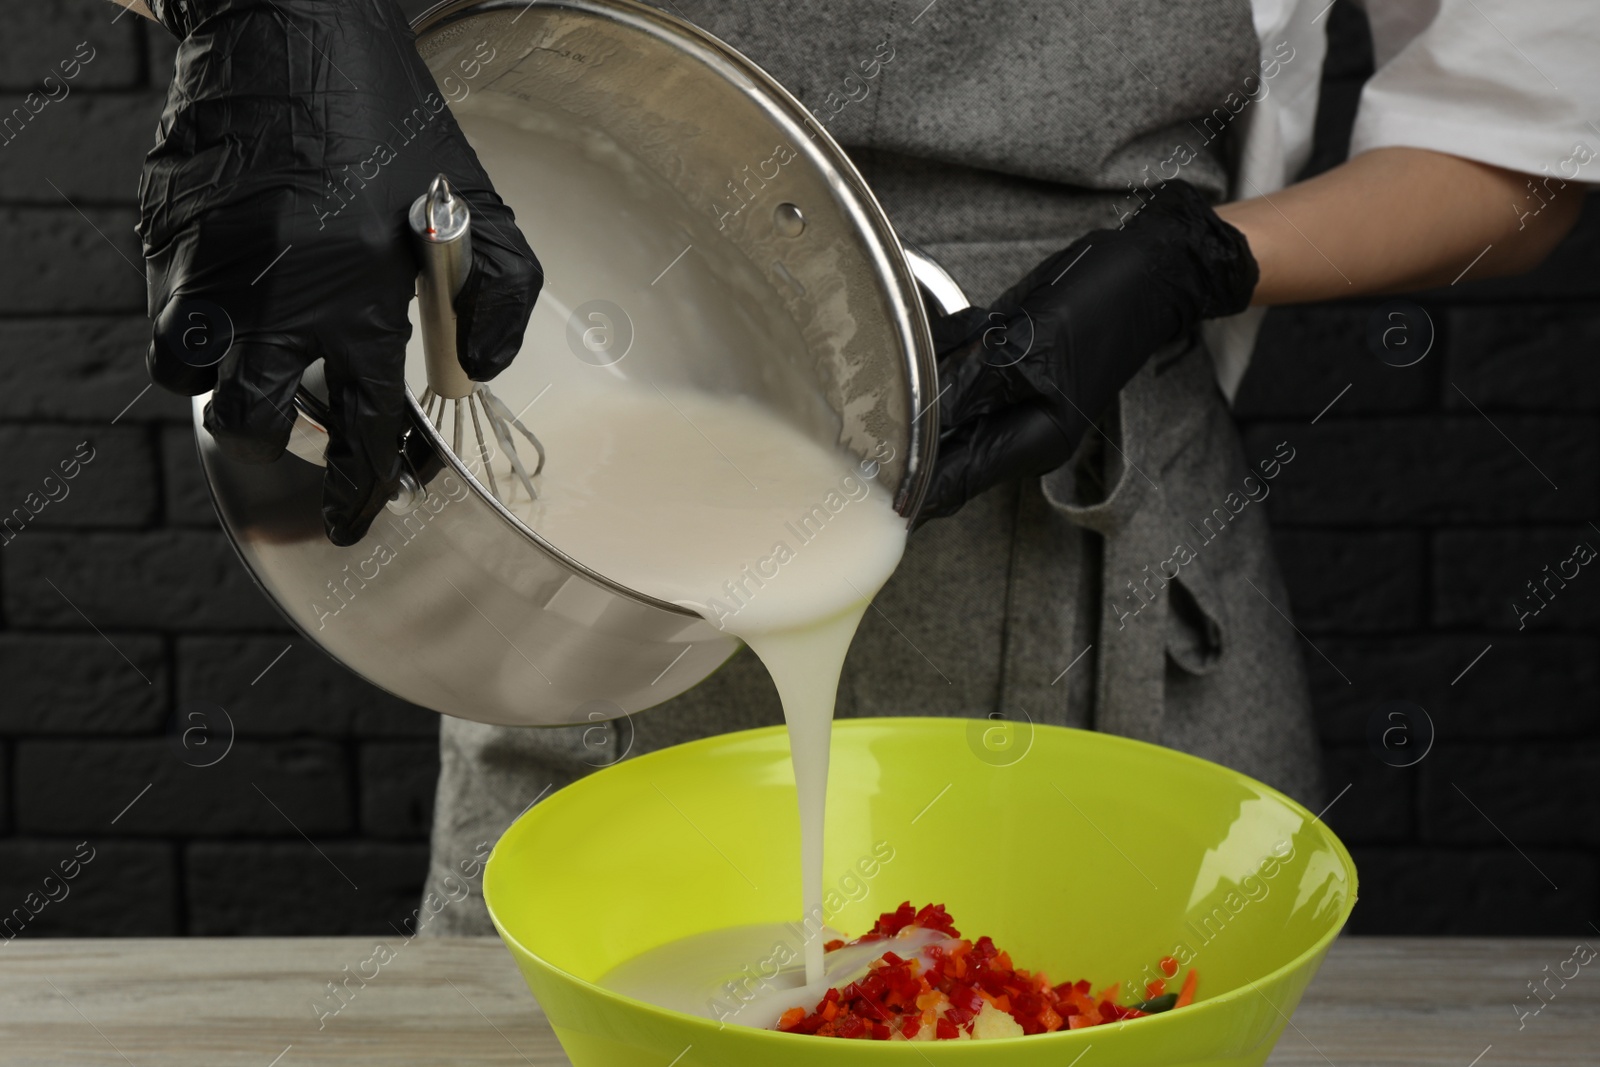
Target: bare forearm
1397, 219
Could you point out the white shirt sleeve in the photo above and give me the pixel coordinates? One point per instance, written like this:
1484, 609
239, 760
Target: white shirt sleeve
1278, 135
1513, 83
1276, 138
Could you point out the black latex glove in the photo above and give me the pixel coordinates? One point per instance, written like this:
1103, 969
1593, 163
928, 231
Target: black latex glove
1023, 381
273, 213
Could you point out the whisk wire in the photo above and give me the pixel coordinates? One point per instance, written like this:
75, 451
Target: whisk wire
484, 452
439, 411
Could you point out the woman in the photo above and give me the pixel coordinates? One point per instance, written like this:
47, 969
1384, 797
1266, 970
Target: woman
1114, 578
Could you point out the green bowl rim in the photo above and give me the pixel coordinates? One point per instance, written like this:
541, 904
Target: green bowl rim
949, 722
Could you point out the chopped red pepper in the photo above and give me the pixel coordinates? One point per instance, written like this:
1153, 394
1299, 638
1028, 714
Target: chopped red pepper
941, 992
1186, 994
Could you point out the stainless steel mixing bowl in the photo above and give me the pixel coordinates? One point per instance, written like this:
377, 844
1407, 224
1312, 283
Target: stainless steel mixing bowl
653, 136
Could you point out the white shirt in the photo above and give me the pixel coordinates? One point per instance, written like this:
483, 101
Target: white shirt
1513, 83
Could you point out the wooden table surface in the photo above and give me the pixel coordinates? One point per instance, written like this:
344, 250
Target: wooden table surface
249, 1003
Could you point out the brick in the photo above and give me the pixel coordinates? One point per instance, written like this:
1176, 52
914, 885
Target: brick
1306, 356
1433, 470
1532, 793
1480, 579
1526, 686
125, 889
308, 781
40, 36
386, 716
1525, 357
289, 889
159, 579
112, 478
1377, 808
81, 368
61, 260
90, 147
187, 500
80, 684
1348, 582
303, 692
1472, 892
397, 787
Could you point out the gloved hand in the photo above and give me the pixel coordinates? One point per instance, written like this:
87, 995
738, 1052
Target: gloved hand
1023, 381
273, 214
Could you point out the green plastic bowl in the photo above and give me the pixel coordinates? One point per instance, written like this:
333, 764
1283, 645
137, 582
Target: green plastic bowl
1086, 855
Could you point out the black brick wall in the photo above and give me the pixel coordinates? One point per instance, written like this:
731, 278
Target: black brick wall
1417, 508
1407, 526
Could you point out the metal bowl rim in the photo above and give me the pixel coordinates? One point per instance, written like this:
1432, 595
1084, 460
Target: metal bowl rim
887, 256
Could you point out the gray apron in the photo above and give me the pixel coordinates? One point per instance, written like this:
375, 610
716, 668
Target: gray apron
1133, 590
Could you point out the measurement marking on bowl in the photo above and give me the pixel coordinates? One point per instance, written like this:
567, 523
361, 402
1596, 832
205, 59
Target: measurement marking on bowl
702, 833
931, 803
1102, 833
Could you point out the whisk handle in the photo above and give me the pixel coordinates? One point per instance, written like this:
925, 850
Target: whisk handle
440, 227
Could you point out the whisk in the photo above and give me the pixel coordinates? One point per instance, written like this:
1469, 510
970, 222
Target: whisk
440, 222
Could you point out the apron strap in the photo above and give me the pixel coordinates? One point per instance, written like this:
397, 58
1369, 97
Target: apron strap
1156, 601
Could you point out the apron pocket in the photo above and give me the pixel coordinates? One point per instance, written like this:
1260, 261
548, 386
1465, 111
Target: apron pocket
1196, 625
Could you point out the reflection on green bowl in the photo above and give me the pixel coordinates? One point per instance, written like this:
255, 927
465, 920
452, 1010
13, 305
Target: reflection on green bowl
1086, 855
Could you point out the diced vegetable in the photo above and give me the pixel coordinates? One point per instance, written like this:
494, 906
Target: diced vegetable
1186, 996
1165, 1002
957, 988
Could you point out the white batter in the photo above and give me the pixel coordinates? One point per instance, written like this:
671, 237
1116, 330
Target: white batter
717, 504
663, 474
745, 975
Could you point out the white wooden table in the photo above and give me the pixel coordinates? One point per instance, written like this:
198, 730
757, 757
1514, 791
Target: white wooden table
1378, 1002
